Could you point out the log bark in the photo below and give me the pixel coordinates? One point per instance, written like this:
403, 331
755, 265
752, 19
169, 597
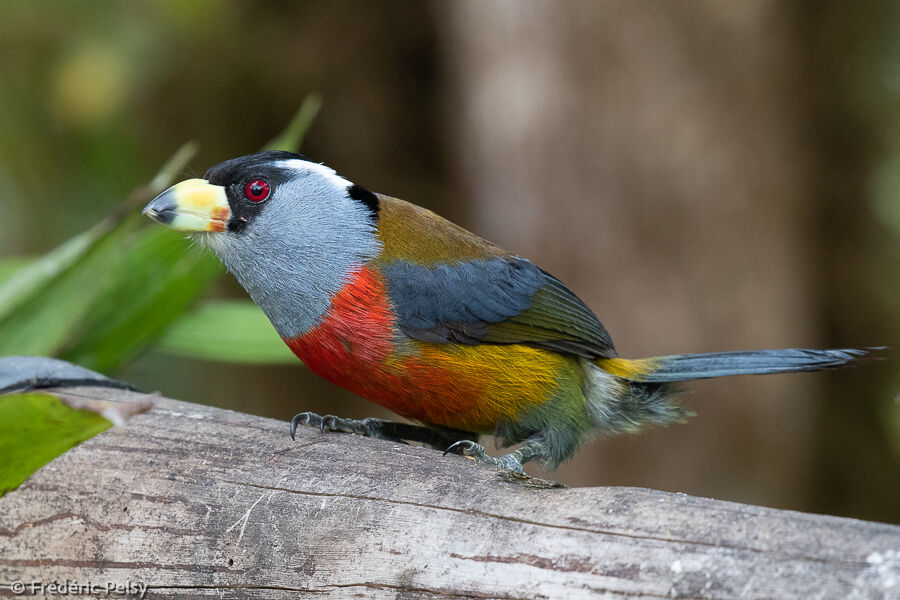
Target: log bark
194, 502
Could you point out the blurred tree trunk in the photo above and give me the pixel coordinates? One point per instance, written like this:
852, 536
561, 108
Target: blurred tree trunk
651, 155
851, 61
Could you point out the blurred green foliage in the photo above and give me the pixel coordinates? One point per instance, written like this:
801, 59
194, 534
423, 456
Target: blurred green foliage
99, 298
105, 295
226, 331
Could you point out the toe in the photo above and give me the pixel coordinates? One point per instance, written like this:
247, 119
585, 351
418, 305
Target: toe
305, 419
508, 461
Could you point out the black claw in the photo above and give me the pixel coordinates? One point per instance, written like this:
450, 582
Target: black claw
304, 418
456, 445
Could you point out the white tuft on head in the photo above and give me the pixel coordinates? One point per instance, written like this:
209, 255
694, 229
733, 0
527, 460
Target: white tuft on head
305, 167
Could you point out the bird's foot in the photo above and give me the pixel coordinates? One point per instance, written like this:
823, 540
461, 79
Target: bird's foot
476, 451
370, 427
399, 433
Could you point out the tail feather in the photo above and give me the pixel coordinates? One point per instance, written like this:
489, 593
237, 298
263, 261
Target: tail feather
684, 367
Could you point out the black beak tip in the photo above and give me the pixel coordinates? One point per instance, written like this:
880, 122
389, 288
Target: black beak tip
161, 209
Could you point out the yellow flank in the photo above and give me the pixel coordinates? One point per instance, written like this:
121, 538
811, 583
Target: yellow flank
414, 234
628, 369
485, 384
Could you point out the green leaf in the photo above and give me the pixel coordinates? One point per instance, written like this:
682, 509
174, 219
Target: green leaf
292, 137
36, 429
116, 299
52, 309
156, 280
28, 282
105, 295
229, 331
47, 306
10, 265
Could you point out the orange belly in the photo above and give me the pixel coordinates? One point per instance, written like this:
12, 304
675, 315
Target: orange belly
474, 388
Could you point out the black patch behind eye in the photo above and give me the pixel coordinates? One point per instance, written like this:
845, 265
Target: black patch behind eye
368, 199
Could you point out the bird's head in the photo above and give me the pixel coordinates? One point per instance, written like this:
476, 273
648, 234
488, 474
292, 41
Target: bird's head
290, 230
263, 194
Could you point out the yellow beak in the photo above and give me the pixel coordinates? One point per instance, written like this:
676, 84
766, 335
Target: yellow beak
192, 205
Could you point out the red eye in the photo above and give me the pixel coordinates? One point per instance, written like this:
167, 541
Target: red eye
257, 190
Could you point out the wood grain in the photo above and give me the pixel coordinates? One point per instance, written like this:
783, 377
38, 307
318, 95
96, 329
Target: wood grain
198, 502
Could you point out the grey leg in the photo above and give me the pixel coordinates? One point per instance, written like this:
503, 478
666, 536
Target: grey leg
533, 448
380, 429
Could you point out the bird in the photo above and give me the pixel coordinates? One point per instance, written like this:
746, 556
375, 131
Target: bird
440, 326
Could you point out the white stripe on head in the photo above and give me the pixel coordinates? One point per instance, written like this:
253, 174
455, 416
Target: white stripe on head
305, 167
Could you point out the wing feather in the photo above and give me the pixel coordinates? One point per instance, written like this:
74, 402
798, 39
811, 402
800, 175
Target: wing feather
498, 300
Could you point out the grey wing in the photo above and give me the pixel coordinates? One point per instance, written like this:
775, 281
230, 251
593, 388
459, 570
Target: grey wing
502, 300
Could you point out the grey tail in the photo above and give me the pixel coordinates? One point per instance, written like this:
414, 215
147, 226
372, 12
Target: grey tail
684, 367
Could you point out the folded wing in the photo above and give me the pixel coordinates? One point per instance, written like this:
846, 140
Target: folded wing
496, 300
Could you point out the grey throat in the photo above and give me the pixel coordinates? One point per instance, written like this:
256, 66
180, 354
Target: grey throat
301, 248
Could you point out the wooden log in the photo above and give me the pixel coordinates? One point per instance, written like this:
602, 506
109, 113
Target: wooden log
193, 502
